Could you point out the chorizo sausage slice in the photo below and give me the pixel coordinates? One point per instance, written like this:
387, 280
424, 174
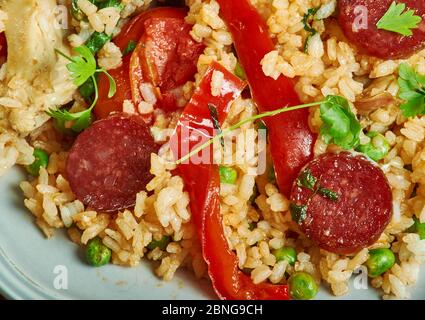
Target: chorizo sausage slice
109, 163
349, 205
358, 19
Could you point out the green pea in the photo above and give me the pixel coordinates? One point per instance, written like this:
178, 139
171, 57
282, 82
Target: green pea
286, 253
96, 41
97, 253
302, 286
380, 260
418, 228
41, 160
228, 175
377, 148
239, 71
162, 243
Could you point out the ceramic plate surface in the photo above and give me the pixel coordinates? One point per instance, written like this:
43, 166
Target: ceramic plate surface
32, 267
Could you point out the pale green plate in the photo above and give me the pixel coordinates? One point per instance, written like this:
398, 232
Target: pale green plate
28, 263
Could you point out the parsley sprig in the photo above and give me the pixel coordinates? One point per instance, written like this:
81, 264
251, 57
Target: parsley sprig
82, 68
397, 20
412, 91
341, 126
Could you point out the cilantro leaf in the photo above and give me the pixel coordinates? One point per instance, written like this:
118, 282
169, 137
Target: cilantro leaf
307, 179
340, 125
298, 212
412, 91
82, 68
397, 20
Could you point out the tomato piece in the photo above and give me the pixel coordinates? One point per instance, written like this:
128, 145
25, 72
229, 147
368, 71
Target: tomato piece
134, 29
203, 184
133, 32
291, 140
105, 106
164, 60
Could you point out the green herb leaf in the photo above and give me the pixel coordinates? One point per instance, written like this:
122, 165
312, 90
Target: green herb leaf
306, 179
82, 67
397, 20
97, 41
298, 212
331, 195
130, 47
83, 122
340, 125
216, 122
110, 3
240, 71
412, 91
112, 83
308, 17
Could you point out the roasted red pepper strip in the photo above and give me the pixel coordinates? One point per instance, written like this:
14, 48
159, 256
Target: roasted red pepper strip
203, 184
291, 140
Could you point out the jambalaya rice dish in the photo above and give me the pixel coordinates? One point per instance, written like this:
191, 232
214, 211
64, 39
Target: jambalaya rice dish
270, 146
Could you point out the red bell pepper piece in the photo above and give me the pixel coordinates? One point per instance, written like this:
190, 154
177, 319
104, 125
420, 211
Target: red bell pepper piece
291, 140
203, 184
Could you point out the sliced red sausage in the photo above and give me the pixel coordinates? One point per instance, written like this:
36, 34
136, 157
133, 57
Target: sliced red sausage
349, 206
353, 15
109, 162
